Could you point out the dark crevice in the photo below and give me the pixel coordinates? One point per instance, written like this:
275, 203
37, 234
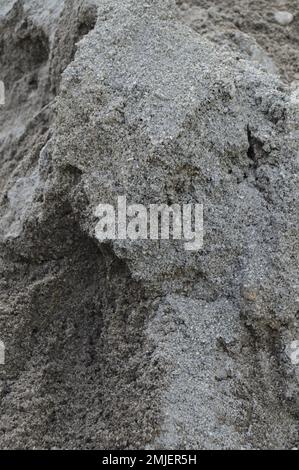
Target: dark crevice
251, 152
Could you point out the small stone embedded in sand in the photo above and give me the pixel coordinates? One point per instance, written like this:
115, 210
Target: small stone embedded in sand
250, 294
283, 17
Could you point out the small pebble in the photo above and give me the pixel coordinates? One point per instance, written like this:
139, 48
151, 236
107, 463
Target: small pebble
223, 374
250, 295
283, 17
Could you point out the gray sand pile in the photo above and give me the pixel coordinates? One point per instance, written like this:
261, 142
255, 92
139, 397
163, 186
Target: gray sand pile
138, 345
